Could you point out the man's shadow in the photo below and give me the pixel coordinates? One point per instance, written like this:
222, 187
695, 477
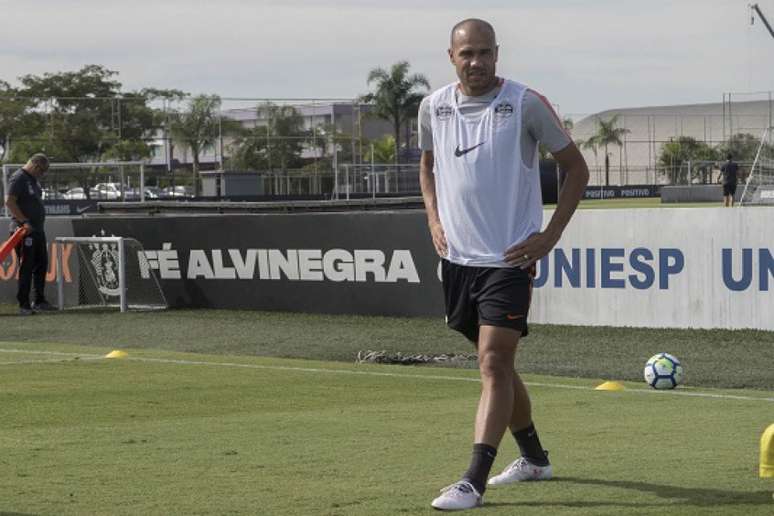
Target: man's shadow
689, 496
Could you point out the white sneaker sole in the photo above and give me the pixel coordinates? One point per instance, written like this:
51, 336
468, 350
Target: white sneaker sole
448, 509
546, 474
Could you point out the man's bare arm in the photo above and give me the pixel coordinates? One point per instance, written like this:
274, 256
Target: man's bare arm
538, 245
427, 183
570, 160
13, 207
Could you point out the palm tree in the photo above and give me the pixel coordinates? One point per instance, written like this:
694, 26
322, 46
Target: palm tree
607, 134
383, 150
397, 96
197, 129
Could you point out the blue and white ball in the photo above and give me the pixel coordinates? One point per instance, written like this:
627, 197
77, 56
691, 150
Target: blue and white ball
663, 371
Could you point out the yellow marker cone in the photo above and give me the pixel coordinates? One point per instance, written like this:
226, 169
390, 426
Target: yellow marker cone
117, 353
610, 386
767, 453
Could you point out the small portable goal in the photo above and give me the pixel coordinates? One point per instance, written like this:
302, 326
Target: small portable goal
106, 272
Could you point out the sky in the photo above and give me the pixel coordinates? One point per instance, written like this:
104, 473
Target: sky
585, 56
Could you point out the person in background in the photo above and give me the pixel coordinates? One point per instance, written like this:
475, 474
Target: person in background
25, 204
729, 176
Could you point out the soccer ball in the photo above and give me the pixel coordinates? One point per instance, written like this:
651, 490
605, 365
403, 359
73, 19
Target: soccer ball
663, 371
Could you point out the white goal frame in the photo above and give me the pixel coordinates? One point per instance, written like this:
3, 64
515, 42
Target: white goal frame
120, 243
767, 135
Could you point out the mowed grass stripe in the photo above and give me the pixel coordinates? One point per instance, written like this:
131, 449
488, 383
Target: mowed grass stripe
372, 372
139, 437
590, 352
713, 358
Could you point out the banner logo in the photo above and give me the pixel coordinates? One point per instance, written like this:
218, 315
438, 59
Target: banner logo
104, 259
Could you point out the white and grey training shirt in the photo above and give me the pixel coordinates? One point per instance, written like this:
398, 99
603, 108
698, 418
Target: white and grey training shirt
486, 167
539, 121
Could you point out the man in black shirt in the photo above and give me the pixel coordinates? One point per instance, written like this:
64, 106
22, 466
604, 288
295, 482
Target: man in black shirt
729, 176
25, 202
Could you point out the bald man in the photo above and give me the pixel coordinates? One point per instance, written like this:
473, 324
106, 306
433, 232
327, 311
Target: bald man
481, 188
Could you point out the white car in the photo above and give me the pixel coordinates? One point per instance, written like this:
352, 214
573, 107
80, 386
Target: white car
176, 192
105, 191
75, 194
133, 194
49, 194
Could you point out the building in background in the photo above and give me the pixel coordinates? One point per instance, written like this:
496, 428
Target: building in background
636, 161
355, 127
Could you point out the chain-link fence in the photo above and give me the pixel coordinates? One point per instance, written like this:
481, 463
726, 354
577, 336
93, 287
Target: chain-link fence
205, 131
325, 147
679, 145
104, 181
347, 180
684, 174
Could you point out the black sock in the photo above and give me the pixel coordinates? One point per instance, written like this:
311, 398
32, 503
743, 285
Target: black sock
480, 464
529, 444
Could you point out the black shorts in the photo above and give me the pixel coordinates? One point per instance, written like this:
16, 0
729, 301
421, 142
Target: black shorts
493, 296
729, 189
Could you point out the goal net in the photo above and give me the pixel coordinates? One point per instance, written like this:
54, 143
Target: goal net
107, 272
759, 187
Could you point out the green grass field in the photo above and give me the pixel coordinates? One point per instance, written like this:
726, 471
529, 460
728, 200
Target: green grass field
173, 433
203, 417
589, 352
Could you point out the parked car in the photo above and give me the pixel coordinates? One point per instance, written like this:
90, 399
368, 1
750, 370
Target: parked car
75, 193
49, 194
176, 192
155, 192
105, 191
133, 194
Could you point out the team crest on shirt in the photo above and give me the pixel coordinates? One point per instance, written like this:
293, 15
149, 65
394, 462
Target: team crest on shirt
503, 109
444, 112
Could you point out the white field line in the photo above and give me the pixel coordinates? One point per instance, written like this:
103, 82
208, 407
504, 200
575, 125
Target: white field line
369, 373
35, 352
18, 362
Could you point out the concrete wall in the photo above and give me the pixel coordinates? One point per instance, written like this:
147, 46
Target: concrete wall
696, 193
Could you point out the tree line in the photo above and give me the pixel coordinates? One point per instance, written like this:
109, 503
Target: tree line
676, 154
85, 116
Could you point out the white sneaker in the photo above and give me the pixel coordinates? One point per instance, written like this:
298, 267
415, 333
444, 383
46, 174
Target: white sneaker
521, 470
458, 496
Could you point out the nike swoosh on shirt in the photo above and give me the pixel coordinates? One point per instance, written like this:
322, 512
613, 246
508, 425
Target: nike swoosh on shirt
461, 152
513, 317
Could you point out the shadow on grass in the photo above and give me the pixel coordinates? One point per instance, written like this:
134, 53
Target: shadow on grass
672, 495
693, 496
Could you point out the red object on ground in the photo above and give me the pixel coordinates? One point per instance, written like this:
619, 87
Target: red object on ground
12, 242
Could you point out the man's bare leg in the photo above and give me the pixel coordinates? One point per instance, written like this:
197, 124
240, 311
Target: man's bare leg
533, 463
521, 417
496, 353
